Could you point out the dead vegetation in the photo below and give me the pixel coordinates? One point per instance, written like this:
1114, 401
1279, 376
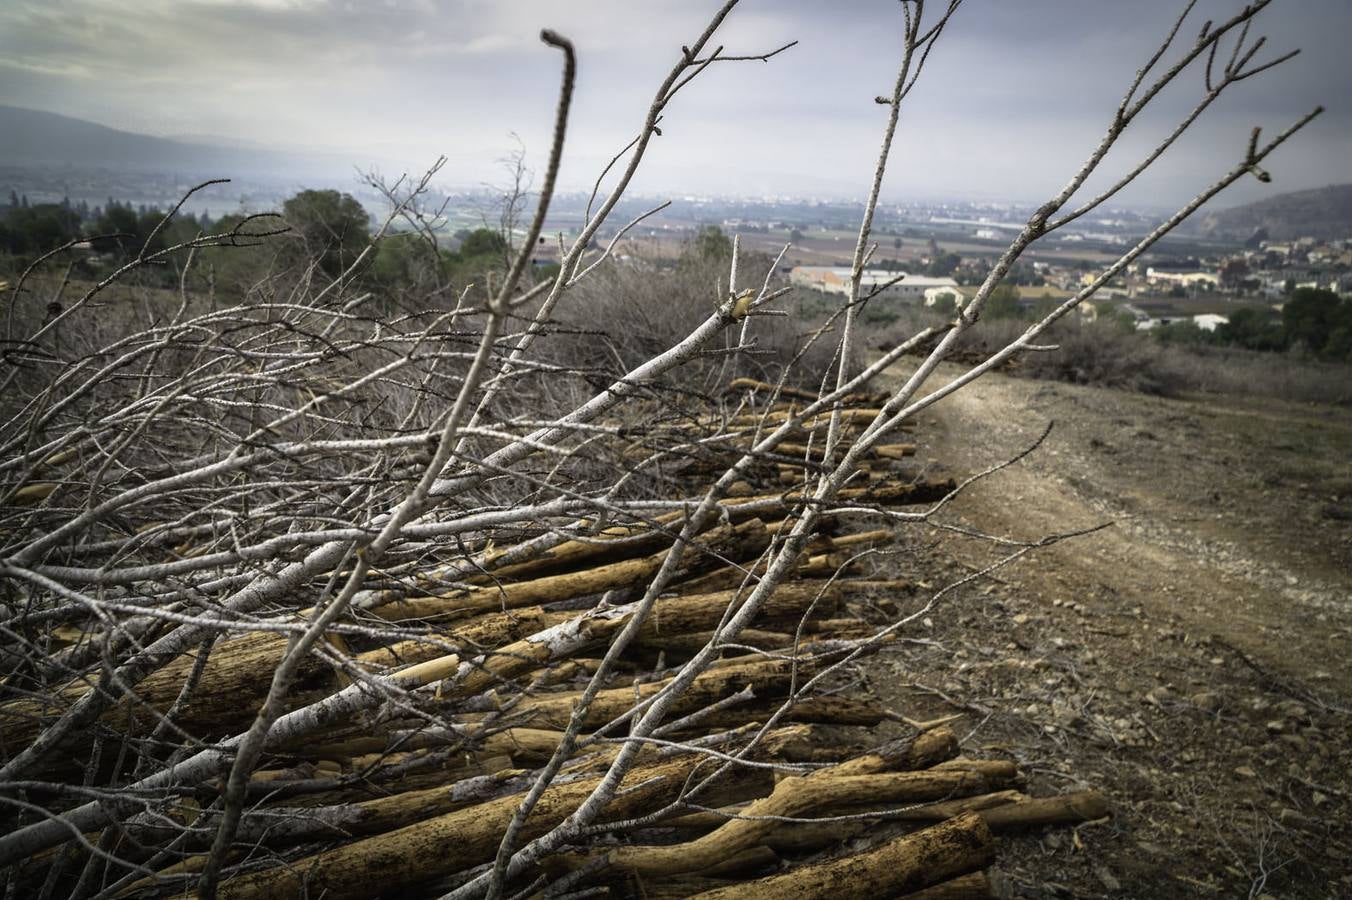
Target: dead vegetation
303, 596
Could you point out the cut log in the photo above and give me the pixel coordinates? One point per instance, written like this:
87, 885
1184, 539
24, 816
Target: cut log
1066, 809
400, 859
793, 796
830, 710
768, 679
807, 837
670, 616
906, 863
972, 886
924, 750
743, 541
870, 398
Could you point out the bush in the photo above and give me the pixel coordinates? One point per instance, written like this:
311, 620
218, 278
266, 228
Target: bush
1105, 354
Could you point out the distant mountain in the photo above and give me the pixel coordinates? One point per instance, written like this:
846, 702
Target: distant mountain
41, 139
1320, 213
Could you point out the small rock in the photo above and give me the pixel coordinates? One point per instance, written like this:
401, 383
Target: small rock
1207, 700
1020, 619
1296, 743
1292, 710
1292, 819
1245, 772
1107, 878
1276, 726
1158, 696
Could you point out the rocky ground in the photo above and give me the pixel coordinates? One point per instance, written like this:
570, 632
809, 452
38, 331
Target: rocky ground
1190, 660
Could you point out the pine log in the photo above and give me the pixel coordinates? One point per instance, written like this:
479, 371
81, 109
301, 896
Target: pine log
743, 541
870, 398
521, 744
399, 860
237, 668
898, 494
823, 565
690, 642
767, 678
994, 769
906, 863
1065, 809
972, 886
793, 796
670, 616
902, 755
239, 672
924, 750
808, 837
829, 710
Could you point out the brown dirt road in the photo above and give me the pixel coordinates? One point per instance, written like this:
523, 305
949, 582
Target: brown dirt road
1191, 660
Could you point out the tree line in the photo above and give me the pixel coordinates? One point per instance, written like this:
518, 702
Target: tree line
327, 231
1312, 322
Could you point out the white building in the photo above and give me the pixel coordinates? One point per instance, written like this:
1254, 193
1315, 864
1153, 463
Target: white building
1186, 279
835, 280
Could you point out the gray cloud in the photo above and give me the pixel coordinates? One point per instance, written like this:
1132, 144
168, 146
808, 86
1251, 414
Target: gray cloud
1012, 97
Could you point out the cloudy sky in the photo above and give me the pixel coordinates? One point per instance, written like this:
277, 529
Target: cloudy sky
1015, 94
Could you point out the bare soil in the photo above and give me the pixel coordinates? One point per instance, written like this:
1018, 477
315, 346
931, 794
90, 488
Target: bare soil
1191, 661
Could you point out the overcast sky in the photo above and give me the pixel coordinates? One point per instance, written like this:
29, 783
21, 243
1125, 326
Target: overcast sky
1015, 94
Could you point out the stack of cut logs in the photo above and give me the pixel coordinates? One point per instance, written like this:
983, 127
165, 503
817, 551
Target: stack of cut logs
411, 799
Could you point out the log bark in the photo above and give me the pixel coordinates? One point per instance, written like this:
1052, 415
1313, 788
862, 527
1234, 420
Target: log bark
924, 750
746, 540
867, 398
671, 616
768, 679
1066, 809
905, 864
403, 858
972, 886
813, 836
793, 796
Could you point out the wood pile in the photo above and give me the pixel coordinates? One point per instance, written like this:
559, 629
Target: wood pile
756, 788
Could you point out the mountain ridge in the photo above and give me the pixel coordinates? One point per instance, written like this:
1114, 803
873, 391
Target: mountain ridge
34, 138
1324, 213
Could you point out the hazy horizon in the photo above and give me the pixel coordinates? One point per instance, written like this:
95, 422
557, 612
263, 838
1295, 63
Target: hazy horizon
1011, 100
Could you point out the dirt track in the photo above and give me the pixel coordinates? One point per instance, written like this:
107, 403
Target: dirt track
1190, 660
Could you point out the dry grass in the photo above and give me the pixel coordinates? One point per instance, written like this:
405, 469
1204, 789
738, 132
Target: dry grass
1104, 354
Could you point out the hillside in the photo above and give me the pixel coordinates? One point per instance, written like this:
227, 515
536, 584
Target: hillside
1322, 213
30, 138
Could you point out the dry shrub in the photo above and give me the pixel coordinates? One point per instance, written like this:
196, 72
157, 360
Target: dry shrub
628, 311
1105, 354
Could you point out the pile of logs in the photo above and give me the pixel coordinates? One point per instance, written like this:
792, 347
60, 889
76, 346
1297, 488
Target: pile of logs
756, 788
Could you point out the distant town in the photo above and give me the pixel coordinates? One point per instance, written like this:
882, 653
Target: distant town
931, 253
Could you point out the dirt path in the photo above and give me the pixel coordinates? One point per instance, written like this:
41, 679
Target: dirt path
1191, 660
